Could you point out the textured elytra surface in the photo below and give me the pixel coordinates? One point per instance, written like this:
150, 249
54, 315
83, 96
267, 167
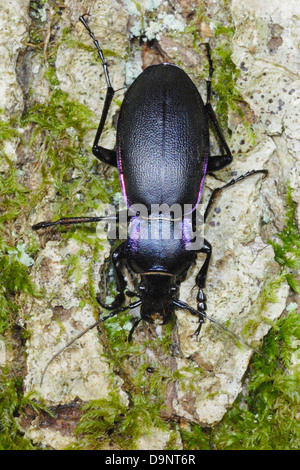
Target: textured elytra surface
265, 50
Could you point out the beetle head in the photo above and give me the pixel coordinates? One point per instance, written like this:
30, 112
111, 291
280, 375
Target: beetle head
157, 293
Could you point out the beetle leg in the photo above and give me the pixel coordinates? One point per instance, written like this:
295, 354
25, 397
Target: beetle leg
200, 283
133, 328
117, 256
217, 191
211, 71
201, 276
217, 162
103, 154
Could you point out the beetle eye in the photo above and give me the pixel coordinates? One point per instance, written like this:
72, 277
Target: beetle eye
142, 288
173, 289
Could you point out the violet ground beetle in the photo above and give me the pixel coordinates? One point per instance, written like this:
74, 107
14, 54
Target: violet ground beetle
163, 155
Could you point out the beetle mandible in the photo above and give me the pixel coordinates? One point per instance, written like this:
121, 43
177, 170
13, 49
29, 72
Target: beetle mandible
163, 155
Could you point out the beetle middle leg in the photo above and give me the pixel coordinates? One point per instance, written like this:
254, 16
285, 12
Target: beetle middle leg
200, 283
218, 191
206, 248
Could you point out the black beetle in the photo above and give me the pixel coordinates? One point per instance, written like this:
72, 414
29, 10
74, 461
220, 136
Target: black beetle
163, 155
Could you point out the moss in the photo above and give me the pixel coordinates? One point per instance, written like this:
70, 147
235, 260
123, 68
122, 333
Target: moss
194, 438
224, 83
11, 402
267, 295
287, 248
14, 257
7, 130
13, 405
62, 125
15, 261
54, 132
100, 418
13, 196
266, 418
114, 422
107, 422
266, 414
14, 279
226, 97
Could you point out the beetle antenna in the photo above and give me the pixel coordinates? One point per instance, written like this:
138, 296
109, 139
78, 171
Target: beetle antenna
101, 320
183, 305
66, 346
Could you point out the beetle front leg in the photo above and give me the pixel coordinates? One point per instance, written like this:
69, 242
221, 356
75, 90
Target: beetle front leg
117, 256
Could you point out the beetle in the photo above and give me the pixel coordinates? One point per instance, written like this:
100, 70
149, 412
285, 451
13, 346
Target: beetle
163, 156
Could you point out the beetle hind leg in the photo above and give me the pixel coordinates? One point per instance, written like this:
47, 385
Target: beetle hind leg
211, 71
105, 155
215, 162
